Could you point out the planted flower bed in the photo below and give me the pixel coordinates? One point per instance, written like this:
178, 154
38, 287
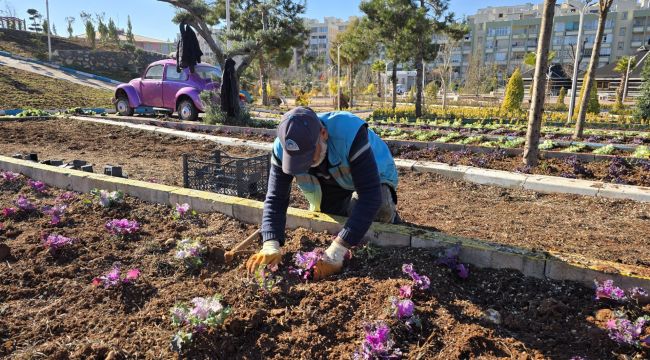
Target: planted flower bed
94, 294
617, 229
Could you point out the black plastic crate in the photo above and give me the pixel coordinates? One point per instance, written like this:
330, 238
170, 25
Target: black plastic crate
229, 175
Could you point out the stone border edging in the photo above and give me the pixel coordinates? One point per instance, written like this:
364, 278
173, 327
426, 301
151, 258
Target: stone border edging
550, 265
539, 183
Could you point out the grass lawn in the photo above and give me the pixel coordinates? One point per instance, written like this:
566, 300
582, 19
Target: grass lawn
22, 89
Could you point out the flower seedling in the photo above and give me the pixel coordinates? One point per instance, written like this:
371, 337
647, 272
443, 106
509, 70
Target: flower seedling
190, 252
377, 344
66, 197
182, 211
607, 290
56, 213
405, 292
421, 282
108, 199
8, 176
55, 242
37, 186
402, 308
266, 278
122, 227
203, 314
305, 263
114, 277
625, 332
450, 259
8, 212
24, 204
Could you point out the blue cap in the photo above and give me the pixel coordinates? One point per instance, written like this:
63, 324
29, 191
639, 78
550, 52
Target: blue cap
298, 133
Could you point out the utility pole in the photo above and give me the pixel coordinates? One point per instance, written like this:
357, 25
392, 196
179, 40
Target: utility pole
576, 61
338, 74
49, 25
627, 76
227, 26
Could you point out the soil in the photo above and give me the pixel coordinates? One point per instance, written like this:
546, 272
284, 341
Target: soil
613, 230
631, 174
50, 309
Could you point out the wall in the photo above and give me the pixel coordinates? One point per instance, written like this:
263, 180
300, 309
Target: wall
119, 65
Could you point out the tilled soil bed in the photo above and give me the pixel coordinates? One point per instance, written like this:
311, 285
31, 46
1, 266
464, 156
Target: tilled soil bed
51, 310
611, 230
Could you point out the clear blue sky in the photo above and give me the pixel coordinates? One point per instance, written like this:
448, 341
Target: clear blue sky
153, 18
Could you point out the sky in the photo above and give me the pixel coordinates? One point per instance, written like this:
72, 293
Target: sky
153, 18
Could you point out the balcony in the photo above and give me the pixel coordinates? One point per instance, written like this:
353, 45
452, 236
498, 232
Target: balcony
638, 29
519, 49
636, 44
503, 37
519, 36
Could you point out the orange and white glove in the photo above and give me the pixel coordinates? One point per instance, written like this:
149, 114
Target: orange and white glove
332, 261
269, 255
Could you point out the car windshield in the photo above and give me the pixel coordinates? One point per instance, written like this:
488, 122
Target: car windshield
208, 73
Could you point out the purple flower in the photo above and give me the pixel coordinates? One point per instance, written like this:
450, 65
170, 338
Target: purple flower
181, 210
377, 344
609, 291
7, 212
450, 259
37, 186
405, 292
421, 282
463, 271
190, 251
56, 212
114, 277
24, 204
122, 227
638, 292
623, 331
402, 308
131, 275
66, 196
306, 261
9, 176
55, 242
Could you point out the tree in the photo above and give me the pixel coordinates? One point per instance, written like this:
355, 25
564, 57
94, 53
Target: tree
622, 66
642, 109
90, 27
454, 32
530, 58
531, 148
514, 93
54, 30
45, 27
112, 32
35, 17
129, 31
70, 20
431, 90
603, 10
102, 29
378, 67
355, 47
388, 20
561, 96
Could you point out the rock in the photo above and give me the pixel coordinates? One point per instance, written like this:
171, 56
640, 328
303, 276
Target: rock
492, 316
277, 312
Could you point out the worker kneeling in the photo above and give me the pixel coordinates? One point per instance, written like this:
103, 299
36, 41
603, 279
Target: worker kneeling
342, 167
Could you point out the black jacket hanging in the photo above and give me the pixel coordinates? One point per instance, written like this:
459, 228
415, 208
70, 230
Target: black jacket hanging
229, 91
188, 51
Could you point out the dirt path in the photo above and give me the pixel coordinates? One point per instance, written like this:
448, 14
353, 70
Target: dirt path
604, 229
50, 309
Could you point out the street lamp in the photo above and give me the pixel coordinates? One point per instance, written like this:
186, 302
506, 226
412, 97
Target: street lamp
578, 56
49, 25
338, 74
227, 26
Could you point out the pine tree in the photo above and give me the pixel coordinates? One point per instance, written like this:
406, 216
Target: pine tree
112, 31
642, 110
561, 96
129, 31
593, 106
514, 93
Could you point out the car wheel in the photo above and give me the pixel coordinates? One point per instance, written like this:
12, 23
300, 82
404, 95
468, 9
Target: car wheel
122, 106
187, 110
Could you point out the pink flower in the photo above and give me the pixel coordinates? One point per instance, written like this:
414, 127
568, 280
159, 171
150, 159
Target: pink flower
421, 282
37, 186
132, 274
9, 176
7, 212
181, 210
24, 204
405, 291
121, 227
609, 291
55, 242
403, 308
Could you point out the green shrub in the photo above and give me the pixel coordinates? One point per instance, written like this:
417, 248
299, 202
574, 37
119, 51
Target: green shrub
642, 152
561, 96
514, 143
547, 145
575, 148
605, 150
514, 93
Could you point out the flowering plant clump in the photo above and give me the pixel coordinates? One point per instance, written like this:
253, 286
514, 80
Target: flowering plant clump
266, 278
114, 277
24, 204
191, 252
201, 315
107, 199
38, 186
625, 332
421, 282
182, 211
56, 212
305, 262
122, 227
607, 290
54, 242
402, 308
66, 196
8, 212
377, 344
450, 259
8, 176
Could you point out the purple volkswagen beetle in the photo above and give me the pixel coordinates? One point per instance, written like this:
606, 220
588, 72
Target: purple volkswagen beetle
162, 87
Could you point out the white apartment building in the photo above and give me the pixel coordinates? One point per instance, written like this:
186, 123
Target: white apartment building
322, 34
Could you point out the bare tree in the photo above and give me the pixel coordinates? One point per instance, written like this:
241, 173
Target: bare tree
603, 10
445, 69
531, 149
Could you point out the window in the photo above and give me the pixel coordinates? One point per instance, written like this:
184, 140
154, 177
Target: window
560, 26
570, 40
605, 51
622, 31
500, 56
208, 73
154, 73
621, 45
639, 21
172, 75
624, 17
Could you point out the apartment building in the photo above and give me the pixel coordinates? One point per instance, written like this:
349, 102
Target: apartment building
503, 35
322, 34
